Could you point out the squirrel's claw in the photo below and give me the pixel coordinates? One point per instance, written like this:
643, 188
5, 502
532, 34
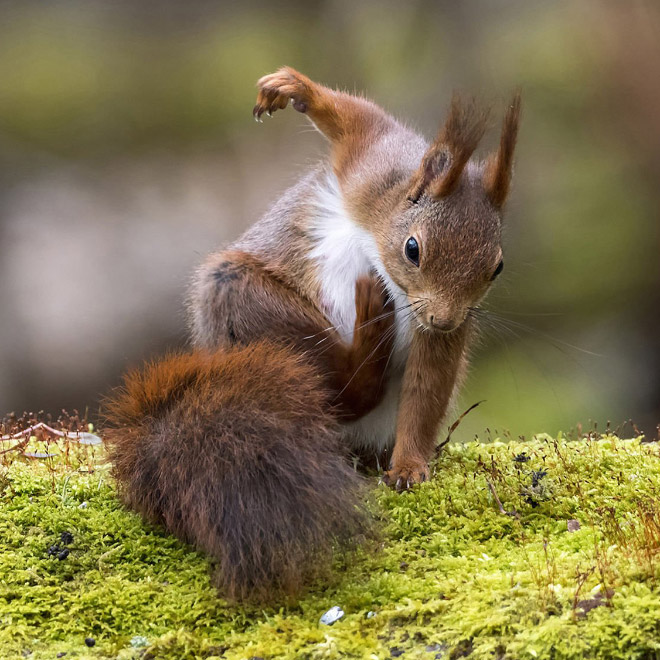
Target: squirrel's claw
277, 89
403, 479
257, 111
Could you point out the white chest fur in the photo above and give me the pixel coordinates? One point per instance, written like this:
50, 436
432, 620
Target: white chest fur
343, 252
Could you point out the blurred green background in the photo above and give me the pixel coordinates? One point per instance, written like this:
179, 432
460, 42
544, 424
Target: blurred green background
128, 152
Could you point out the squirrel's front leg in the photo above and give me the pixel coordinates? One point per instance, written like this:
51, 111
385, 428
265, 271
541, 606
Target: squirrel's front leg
349, 122
432, 370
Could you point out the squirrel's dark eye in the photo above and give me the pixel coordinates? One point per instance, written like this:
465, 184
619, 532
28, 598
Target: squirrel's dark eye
498, 270
412, 251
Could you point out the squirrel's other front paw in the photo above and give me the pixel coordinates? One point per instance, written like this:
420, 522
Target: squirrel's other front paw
277, 89
404, 477
374, 310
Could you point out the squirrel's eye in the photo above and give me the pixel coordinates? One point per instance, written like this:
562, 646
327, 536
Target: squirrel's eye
498, 270
412, 251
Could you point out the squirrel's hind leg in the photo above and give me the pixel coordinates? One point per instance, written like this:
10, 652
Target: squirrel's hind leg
237, 300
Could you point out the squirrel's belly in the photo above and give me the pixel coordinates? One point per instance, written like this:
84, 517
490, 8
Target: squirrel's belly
377, 429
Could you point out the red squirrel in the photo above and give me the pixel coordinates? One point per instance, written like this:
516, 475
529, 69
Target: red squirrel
340, 322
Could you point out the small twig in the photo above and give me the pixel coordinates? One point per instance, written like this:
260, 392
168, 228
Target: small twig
581, 578
493, 492
454, 426
30, 429
503, 511
19, 445
83, 437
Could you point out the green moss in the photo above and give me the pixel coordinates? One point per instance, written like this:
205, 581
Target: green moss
454, 576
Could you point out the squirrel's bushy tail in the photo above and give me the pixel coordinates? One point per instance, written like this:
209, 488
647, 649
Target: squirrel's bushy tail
237, 453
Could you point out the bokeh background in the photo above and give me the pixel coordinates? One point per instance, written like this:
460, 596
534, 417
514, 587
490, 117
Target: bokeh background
128, 152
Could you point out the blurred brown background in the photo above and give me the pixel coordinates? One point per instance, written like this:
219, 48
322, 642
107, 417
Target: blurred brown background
128, 151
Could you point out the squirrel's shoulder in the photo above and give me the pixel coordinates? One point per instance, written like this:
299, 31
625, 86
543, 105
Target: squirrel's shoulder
287, 216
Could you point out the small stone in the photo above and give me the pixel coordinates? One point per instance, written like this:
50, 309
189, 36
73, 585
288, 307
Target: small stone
396, 652
573, 525
53, 550
370, 614
403, 565
332, 616
82, 505
66, 538
90, 641
139, 641
63, 554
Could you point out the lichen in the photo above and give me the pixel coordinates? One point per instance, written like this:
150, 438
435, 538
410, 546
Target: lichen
477, 563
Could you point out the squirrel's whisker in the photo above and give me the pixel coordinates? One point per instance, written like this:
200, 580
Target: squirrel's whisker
386, 336
389, 334
511, 324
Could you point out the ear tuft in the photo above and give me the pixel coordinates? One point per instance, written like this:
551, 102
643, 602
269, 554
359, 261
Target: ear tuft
445, 160
464, 128
499, 166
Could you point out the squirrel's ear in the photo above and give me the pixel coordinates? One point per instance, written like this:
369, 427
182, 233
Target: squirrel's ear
445, 160
499, 166
433, 163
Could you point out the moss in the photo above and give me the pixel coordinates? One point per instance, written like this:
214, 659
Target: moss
456, 576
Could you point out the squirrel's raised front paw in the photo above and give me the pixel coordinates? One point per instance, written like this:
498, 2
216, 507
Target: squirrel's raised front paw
406, 476
277, 89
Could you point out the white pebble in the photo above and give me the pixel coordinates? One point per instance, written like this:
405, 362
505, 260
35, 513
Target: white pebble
331, 616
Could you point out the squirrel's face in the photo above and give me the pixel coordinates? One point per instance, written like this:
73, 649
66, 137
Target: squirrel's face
446, 253
445, 249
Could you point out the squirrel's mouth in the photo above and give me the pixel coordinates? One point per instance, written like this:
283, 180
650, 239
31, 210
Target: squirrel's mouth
444, 327
436, 324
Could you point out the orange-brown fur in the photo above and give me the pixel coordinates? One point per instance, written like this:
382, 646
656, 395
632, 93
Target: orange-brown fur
498, 169
347, 121
445, 161
237, 452
425, 397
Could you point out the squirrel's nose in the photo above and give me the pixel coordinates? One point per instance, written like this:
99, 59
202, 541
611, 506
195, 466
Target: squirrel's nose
443, 325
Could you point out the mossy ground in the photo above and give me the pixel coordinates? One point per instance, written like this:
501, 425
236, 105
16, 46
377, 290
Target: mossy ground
453, 576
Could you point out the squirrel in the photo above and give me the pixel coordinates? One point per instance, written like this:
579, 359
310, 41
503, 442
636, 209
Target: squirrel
338, 324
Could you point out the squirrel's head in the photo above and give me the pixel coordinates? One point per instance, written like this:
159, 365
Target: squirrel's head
444, 243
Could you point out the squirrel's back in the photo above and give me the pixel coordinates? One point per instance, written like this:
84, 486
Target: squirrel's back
237, 452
